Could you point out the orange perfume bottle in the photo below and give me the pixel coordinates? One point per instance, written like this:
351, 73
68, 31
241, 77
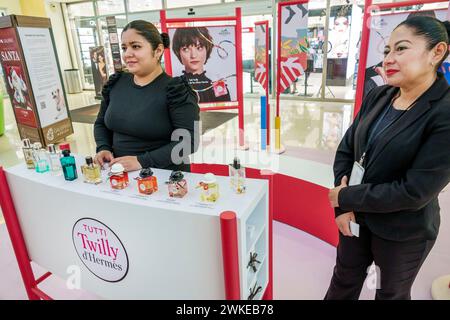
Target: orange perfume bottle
118, 177
177, 185
147, 182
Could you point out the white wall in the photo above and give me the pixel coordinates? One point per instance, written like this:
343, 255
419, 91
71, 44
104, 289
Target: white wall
12, 6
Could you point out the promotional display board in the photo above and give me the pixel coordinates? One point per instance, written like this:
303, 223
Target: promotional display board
33, 79
293, 42
207, 57
209, 52
262, 72
114, 41
99, 70
377, 28
262, 53
292, 51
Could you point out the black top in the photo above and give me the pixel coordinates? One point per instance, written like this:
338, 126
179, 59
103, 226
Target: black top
139, 120
408, 166
384, 120
205, 88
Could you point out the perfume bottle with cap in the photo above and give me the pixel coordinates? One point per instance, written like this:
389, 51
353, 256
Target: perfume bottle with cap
147, 182
118, 177
91, 171
209, 188
177, 185
68, 165
40, 158
28, 153
53, 159
237, 176
62, 147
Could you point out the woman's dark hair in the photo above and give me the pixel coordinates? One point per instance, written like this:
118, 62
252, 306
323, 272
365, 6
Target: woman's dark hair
432, 29
149, 32
185, 37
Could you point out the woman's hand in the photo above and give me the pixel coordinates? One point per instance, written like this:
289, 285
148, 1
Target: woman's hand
103, 156
343, 223
130, 163
333, 194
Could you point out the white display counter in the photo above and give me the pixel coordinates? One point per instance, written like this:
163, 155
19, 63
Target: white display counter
134, 246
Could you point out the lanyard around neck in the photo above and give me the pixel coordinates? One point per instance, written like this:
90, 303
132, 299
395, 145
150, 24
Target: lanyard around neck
374, 134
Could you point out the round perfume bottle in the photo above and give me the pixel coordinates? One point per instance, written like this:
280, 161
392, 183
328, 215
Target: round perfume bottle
147, 182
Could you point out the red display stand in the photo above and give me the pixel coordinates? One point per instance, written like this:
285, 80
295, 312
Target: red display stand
166, 24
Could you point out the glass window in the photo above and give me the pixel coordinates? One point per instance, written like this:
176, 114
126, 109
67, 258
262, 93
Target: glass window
189, 3
85, 9
144, 5
110, 6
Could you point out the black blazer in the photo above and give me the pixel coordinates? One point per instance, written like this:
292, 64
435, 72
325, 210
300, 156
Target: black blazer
407, 168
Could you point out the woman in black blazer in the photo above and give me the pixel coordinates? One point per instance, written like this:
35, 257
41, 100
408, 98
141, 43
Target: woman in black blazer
391, 165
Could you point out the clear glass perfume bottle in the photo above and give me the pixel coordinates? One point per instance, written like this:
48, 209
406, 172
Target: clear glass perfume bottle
53, 159
237, 176
68, 165
209, 188
40, 158
27, 149
91, 171
177, 185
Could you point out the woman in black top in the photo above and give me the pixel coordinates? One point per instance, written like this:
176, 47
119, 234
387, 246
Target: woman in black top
397, 156
145, 113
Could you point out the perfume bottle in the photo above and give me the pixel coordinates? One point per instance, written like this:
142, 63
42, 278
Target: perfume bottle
237, 176
28, 153
53, 159
177, 185
40, 158
68, 165
91, 171
147, 182
62, 147
209, 188
118, 177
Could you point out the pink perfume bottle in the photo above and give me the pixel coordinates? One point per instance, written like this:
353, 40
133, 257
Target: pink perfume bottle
177, 185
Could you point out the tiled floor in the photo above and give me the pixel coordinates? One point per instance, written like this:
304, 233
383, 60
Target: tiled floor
302, 263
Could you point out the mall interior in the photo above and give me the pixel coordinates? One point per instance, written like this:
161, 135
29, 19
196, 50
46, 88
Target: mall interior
316, 110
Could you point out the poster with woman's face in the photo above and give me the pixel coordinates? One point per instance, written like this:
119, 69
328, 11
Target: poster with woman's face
339, 37
207, 57
380, 30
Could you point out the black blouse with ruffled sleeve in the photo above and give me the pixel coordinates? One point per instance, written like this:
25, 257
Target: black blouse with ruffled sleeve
139, 120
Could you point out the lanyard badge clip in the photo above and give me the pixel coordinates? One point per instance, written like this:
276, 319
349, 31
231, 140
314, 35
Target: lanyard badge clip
361, 161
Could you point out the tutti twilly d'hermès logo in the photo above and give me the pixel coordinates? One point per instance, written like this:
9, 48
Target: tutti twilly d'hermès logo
100, 250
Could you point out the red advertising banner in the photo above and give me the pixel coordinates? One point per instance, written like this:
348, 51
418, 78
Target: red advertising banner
16, 81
